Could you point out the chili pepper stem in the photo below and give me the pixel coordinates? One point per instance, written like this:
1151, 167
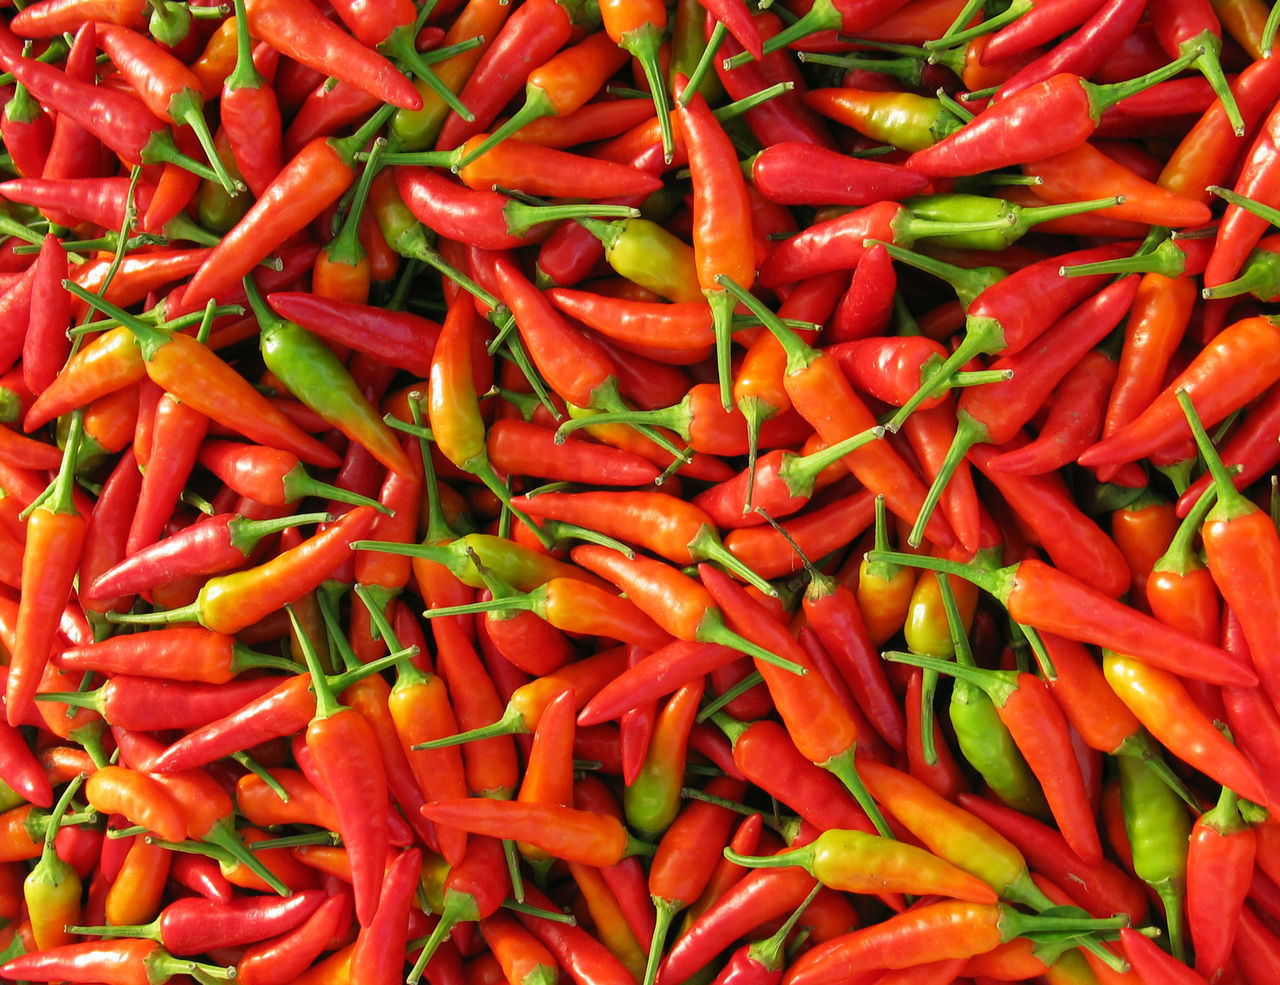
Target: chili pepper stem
822, 16
665, 911
846, 771
187, 108
512, 721
400, 45
706, 61
645, 44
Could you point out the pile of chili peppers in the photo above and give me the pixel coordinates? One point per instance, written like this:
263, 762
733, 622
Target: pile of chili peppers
626, 492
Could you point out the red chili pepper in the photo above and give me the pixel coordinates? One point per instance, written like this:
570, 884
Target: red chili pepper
994, 412
292, 956
1208, 151
49, 18
582, 956
1044, 597
154, 704
46, 345
170, 90
27, 131
55, 532
1161, 703
230, 602
1083, 51
1242, 351
474, 889
1072, 100
1102, 890
1220, 862
301, 33
128, 961
929, 932
1080, 172
117, 118
757, 897
565, 832
315, 178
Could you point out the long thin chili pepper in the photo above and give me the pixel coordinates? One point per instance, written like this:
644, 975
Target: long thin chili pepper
55, 532
218, 391
315, 178
1073, 100
230, 602
119, 119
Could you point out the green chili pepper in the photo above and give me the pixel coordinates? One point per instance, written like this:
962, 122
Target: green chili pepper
1159, 830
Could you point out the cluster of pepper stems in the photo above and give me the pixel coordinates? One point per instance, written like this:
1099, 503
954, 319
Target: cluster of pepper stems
622, 492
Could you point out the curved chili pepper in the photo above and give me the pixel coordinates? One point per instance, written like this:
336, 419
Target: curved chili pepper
292, 956
1083, 170
528, 701
1083, 51
1244, 342
169, 89
1208, 151
668, 526
219, 392
854, 861
1015, 697
652, 800
820, 726
582, 956
673, 600
299, 32
548, 777
48, 18
1160, 703
194, 925
993, 412
1041, 596
685, 859
930, 932
312, 373
310, 182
